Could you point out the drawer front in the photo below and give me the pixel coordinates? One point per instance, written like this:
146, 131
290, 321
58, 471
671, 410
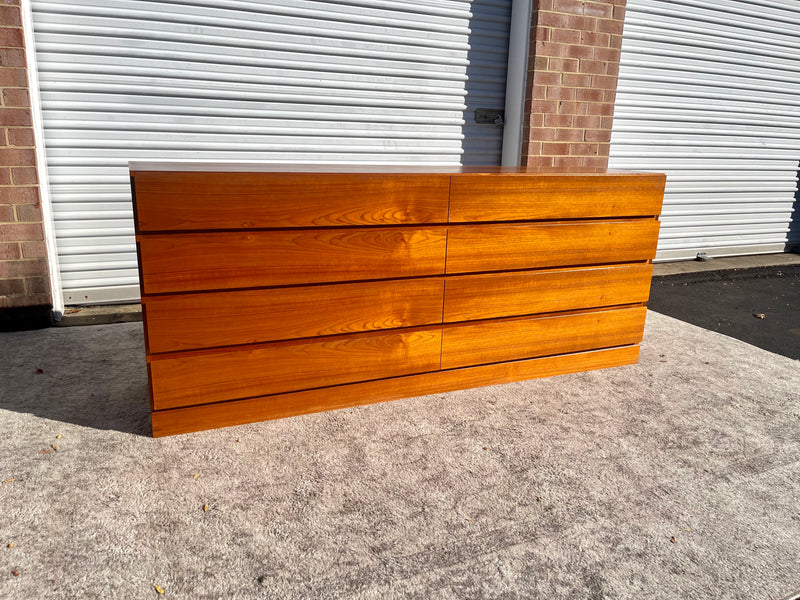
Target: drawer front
209, 319
288, 366
225, 260
472, 297
514, 339
487, 197
207, 201
474, 248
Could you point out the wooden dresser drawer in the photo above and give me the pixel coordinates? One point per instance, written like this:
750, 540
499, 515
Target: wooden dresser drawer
529, 337
476, 248
209, 319
521, 197
472, 297
225, 260
205, 377
173, 201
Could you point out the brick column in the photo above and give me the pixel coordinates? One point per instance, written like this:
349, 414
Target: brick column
24, 283
572, 82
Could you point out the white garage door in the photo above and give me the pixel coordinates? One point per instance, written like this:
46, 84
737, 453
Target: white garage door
350, 81
709, 92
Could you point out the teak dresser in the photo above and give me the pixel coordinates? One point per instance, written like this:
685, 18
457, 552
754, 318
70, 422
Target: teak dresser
271, 291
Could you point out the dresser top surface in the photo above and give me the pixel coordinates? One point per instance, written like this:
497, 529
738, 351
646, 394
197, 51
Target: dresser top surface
223, 167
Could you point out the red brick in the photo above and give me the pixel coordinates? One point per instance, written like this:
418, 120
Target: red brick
565, 36
23, 268
540, 63
590, 38
19, 195
596, 162
558, 120
5, 176
598, 9
10, 16
588, 122
542, 34
547, 78
583, 149
551, 49
24, 176
532, 148
539, 161
563, 65
9, 251
11, 287
582, 52
21, 232
544, 106
604, 82
34, 249
560, 93
545, 5
29, 213
536, 120
612, 69
39, 285
554, 20
567, 162
601, 109
12, 57
542, 134
568, 108
609, 26
11, 2
589, 95
619, 13
610, 96
22, 136
603, 149
538, 92
574, 7
595, 67
606, 54
607, 122
582, 23
15, 117
615, 42
11, 37
597, 135
17, 97
555, 149
7, 213
17, 157
577, 80
569, 135
13, 77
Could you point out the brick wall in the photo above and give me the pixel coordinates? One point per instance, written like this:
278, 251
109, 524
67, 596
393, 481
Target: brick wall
24, 281
572, 81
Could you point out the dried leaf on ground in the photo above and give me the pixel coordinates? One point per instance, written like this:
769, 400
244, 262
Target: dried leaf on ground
45, 451
159, 589
15, 573
54, 447
672, 539
39, 371
10, 544
206, 507
58, 437
196, 475
759, 315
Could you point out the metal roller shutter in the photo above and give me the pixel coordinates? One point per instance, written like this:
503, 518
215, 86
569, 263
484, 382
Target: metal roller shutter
348, 81
709, 91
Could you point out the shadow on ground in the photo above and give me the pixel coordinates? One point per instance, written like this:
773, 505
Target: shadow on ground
758, 306
75, 377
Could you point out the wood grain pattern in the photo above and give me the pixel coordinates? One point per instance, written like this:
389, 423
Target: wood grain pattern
472, 297
474, 248
207, 201
225, 260
210, 416
486, 197
529, 337
208, 319
288, 366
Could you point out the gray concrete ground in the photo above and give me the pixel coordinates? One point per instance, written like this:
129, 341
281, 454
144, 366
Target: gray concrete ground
674, 478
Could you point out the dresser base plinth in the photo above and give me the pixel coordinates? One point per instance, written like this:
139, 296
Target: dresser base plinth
238, 412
